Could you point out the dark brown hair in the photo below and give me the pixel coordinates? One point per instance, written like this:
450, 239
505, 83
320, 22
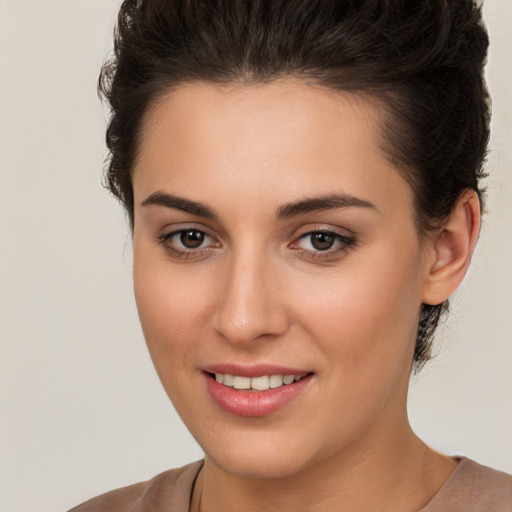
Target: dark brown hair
422, 59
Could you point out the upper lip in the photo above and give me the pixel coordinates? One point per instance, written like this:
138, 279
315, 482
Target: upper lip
256, 370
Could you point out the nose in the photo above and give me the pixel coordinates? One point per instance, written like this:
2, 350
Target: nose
251, 302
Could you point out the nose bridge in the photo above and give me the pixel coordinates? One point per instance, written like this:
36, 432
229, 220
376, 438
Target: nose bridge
250, 306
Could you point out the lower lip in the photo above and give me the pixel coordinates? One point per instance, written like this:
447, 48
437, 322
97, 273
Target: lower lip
254, 404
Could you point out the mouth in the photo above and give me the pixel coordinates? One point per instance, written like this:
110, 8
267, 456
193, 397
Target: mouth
255, 392
260, 383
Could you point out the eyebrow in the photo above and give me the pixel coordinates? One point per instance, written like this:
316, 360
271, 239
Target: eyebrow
307, 205
179, 203
321, 203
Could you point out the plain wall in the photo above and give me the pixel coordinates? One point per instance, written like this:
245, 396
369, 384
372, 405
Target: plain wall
82, 410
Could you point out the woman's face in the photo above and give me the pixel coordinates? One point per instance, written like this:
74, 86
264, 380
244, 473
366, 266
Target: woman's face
273, 237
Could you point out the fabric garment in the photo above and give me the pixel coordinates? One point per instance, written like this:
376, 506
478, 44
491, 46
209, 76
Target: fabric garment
471, 488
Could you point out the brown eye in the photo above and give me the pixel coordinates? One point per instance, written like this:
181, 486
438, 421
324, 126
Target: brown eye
318, 244
192, 238
187, 243
322, 241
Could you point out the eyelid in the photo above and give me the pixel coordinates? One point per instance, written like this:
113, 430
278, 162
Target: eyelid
345, 242
173, 229
324, 228
165, 236
339, 236
177, 232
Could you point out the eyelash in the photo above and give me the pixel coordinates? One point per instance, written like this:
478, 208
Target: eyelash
165, 239
344, 242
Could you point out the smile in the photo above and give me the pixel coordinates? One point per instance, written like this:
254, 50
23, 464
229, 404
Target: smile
261, 383
259, 391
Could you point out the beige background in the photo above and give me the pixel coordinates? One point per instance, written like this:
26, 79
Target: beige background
82, 410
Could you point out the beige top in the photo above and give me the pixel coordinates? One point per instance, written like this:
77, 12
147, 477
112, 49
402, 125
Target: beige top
471, 488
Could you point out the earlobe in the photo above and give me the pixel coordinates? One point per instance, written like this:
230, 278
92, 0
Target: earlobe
452, 248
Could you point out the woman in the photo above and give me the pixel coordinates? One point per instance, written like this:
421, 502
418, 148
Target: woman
302, 181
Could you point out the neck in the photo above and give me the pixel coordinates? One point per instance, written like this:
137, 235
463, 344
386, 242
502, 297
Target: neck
399, 474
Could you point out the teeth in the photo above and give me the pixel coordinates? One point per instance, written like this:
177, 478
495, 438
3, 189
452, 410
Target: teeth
276, 381
228, 380
260, 383
257, 383
242, 383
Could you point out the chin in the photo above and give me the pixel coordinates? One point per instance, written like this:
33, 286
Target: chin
261, 453
260, 465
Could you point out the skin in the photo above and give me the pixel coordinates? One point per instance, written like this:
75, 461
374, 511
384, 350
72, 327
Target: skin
257, 291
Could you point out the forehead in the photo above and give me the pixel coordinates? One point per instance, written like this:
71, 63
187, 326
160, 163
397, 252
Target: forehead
286, 110
284, 137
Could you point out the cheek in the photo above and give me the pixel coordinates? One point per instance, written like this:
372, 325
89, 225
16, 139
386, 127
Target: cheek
366, 315
172, 310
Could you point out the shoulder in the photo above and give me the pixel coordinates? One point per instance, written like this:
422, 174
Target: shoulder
491, 488
474, 488
169, 490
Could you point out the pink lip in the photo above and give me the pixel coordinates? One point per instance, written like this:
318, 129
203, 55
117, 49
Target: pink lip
255, 404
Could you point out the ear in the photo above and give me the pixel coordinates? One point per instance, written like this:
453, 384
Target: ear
449, 252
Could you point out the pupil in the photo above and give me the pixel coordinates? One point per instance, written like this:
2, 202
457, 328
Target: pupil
322, 241
192, 239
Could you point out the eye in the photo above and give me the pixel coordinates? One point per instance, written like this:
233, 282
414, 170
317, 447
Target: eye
323, 244
187, 243
319, 241
191, 239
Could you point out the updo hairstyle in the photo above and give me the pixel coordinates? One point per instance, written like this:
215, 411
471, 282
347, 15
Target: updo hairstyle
422, 60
